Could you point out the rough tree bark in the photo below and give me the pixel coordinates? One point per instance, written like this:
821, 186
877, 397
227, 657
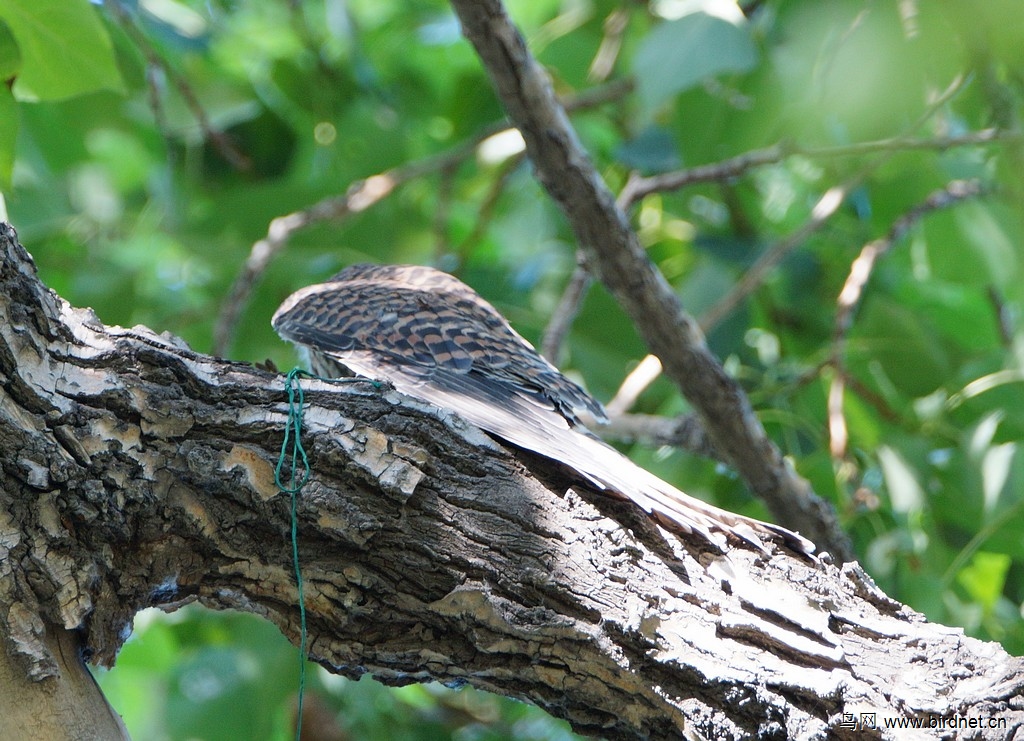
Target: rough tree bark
136, 472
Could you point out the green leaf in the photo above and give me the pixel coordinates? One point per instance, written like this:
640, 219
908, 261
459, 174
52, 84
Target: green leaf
985, 577
65, 50
652, 150
958, 312
997, 257
8, 134
10, 58
899, 343
905, 492
679, 54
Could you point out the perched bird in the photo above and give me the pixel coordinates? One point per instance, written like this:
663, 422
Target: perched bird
434, 338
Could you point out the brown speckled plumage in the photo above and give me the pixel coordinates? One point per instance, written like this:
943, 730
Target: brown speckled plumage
436, 339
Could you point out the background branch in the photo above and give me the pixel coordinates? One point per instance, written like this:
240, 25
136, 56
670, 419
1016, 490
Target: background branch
616, 255
220, 141
853, 289
564, 314
639, 187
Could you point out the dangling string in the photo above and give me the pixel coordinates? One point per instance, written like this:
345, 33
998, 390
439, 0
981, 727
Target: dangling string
298, 475
294, 453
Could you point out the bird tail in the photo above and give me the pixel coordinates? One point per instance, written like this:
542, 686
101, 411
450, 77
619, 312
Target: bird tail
611, 470
527, 425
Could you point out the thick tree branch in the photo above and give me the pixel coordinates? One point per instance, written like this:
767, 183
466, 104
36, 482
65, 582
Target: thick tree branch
602, 229
136, 472
66, 706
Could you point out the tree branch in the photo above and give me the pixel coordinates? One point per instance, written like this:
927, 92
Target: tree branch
220, 141
852, 292
602, 230
639, 187
136, 472
564, 314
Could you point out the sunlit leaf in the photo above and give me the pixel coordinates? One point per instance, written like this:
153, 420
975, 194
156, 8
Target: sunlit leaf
901, 482
985, 577
679, 54
8, 134
65, 50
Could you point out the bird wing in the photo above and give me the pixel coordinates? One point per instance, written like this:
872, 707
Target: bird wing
461, 340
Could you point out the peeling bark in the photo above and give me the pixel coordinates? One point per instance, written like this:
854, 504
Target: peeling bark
137, 473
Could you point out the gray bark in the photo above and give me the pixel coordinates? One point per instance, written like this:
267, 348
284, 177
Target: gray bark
136, 472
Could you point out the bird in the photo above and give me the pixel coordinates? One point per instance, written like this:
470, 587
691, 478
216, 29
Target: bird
434, 338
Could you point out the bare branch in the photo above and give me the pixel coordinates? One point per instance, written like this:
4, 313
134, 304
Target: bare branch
853, 289
637, 188
685, 432
220, 141
638, 379
603, 63
907, 143
563, 315
603, 232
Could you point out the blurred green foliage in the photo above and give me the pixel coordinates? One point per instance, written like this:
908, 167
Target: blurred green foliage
131, 207
196, 674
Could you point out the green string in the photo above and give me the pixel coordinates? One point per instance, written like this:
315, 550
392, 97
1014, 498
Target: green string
298, 475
